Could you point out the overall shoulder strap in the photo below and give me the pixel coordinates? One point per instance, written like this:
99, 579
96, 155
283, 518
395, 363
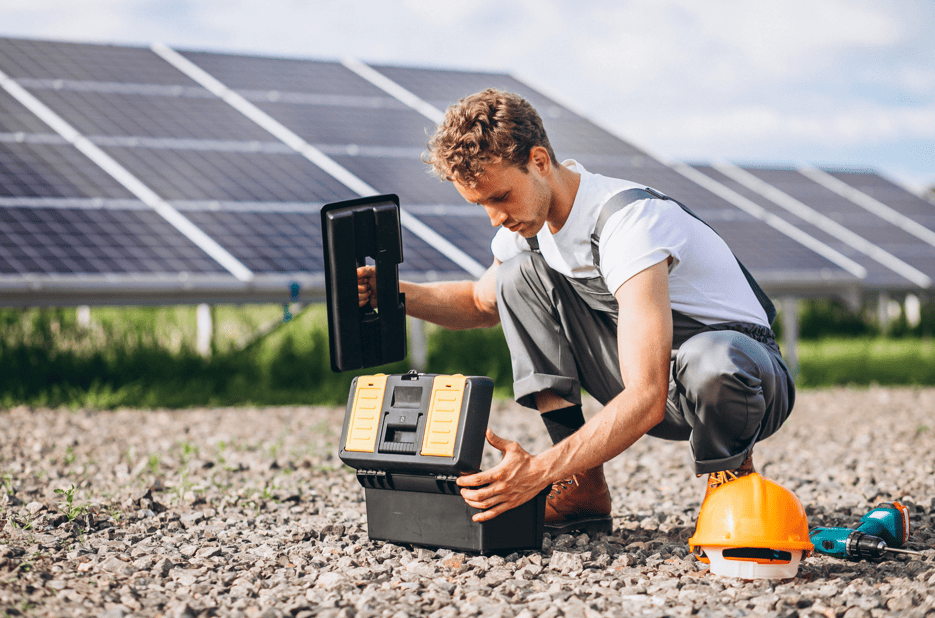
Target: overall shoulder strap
623, 199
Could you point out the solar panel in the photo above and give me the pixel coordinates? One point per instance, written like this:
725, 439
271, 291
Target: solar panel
467, 226
286, 75
408, 178
14, 118
257, 194
766, 252
95, 241
52, 170
86, 62
896, 197
395, 125
570, 134
148, 115
236, 176
281, 242
877, 273
869, 226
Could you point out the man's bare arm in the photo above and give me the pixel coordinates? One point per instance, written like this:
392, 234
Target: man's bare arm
456, 305
644, 343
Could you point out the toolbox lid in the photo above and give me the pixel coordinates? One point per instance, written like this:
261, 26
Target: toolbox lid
352, 231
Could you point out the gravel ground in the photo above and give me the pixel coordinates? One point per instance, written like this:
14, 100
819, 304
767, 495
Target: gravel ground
248, 512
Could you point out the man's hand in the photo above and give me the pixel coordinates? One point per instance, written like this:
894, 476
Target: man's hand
367, 286
514, 481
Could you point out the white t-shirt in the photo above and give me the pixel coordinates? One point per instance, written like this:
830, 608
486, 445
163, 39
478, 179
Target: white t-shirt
705, 282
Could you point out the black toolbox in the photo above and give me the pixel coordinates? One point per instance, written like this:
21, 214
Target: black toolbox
408, 436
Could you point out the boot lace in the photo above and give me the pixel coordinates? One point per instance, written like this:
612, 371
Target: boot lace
557, 487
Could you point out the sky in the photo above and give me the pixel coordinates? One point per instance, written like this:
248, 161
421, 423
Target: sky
848, 83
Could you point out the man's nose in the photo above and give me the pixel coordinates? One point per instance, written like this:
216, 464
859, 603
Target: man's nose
497, 217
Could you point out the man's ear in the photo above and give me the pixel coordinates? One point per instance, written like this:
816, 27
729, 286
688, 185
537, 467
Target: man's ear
540, 160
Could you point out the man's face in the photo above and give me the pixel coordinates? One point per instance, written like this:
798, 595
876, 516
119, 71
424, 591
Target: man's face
519, 201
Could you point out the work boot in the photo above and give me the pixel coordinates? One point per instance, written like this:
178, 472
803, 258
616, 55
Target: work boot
716, 479
581, 502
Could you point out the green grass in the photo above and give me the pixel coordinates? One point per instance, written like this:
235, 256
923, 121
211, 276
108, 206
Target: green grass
865, 361
143, 357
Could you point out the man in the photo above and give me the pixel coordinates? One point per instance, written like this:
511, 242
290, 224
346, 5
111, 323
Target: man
656, 320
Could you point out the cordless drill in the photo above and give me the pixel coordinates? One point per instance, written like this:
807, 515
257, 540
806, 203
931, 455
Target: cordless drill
884, 529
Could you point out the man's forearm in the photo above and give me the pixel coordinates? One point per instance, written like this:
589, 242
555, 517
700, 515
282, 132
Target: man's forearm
623, 421
453, 305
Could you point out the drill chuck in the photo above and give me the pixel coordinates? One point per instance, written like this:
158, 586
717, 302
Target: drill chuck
860, 546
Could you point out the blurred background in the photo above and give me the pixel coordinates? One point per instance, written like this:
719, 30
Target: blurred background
747, 111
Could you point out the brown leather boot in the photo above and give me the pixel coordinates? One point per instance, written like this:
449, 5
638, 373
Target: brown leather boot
581, 502
716, 479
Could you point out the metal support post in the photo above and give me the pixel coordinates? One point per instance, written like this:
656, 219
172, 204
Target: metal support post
84, 317
205, 332
790, 330
418, 346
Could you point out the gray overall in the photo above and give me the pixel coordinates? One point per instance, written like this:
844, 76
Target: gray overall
728, 384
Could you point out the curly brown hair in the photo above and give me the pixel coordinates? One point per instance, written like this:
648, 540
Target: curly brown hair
483, 128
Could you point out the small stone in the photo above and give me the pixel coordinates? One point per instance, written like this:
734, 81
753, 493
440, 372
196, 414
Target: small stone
422, 569
162, 567
185, 577
331, 580
35, 508
901, 603
563, 540
181, 610
565, 562
455, 562
497, 576
113, 564
189, 520
210, 552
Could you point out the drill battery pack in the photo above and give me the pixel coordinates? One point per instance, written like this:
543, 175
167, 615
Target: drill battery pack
409, 437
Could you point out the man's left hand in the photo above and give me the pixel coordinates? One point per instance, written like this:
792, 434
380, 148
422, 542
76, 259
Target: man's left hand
514, 481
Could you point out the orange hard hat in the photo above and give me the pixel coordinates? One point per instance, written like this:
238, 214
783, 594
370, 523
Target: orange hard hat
754, 520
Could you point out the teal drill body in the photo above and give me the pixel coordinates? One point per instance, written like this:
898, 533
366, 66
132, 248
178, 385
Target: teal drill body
882, 529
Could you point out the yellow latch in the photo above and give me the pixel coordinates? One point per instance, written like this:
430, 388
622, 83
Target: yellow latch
441, 427
365, 415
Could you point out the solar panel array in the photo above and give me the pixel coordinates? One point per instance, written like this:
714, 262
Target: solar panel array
138, 175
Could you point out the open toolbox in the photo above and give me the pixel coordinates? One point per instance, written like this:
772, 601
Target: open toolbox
409, 436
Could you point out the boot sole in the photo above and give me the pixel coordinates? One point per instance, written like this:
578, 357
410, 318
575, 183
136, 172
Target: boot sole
591, 525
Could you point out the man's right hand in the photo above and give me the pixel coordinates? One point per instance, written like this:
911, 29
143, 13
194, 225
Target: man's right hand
367, 286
